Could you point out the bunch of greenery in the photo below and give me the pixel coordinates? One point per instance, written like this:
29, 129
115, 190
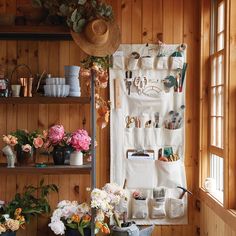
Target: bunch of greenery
29, 203
77, 13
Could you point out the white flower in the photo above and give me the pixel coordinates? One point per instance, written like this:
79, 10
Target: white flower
57, 214
63, 203
84, 208
100, 216
68, 211
57, 227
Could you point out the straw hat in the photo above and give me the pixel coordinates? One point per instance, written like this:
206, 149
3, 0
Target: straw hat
99, 38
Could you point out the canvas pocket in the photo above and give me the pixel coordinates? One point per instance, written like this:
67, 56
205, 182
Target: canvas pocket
129, 137
132, 63
140, 174
174, 208
147, 63
158, 209
118, 63
139, 138
162, 63
176, 63
139, 209
169, 174
173, 137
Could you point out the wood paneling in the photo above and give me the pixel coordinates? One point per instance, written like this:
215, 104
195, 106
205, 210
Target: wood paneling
212, 224
141, 21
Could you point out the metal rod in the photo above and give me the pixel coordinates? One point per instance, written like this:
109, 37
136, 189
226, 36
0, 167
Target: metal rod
93, 148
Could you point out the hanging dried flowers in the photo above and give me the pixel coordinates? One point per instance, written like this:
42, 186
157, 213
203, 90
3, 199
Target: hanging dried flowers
100, 67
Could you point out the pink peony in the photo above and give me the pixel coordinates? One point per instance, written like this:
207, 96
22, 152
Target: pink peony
38, 142
26, 148
80, 140
56, 134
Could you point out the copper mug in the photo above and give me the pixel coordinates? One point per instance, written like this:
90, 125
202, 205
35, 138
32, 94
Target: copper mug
26, 84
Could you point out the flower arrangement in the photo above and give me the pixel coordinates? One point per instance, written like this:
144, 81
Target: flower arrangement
56, 135
12, 224
18, 212
70, 215
78, 216
24, 140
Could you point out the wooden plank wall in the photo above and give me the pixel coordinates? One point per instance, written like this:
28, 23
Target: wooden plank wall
212, 224
141, 21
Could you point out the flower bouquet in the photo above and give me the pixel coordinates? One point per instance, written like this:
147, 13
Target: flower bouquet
25, 143
64, 143
71, 216
56, 141
8, 226
77, 217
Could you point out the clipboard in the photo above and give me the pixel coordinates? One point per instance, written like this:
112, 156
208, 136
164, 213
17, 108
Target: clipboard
133, 154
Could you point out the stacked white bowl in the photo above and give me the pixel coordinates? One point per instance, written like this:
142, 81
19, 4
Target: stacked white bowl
72, 79
56, 87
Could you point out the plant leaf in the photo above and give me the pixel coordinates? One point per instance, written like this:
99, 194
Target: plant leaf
73, 15
82, 2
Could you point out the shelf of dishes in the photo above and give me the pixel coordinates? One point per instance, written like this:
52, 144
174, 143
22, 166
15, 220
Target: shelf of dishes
49, 169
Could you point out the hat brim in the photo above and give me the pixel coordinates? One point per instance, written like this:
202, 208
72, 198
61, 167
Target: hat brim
111, 45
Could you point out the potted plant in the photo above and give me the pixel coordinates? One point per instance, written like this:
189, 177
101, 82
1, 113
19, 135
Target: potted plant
25, 143
23, 207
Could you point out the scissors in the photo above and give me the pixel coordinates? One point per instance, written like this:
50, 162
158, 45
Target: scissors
129, 121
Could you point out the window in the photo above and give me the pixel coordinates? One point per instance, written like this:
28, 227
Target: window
217, 100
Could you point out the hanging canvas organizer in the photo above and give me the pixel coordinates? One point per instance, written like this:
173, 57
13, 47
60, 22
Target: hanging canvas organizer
147, 90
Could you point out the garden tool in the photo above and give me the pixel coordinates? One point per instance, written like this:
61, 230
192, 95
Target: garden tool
184, 191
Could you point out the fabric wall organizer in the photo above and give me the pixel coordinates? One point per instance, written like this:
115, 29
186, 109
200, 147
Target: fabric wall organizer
147, 91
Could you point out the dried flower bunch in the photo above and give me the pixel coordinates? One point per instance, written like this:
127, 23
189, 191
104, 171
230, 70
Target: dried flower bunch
100, 66
24, 139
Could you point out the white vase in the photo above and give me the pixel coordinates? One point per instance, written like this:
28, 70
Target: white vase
76, 158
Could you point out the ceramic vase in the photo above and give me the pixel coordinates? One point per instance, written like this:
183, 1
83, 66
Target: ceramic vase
72, 79
25, 158
76, 158
60, 154
8, 233
74, 232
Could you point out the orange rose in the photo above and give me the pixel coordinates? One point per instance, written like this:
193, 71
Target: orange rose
38, 142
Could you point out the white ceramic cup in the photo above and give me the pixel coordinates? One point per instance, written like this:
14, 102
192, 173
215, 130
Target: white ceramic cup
15, 90
210, 184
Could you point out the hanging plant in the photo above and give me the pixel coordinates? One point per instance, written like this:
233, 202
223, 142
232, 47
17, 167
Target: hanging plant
100, 66
77, 13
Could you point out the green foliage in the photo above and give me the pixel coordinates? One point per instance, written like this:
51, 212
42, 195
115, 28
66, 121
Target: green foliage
29, 202
77, 13
25, 137
89, 61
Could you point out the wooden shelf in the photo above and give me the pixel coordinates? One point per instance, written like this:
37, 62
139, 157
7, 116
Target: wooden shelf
50, 169
28, 32
45, 100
